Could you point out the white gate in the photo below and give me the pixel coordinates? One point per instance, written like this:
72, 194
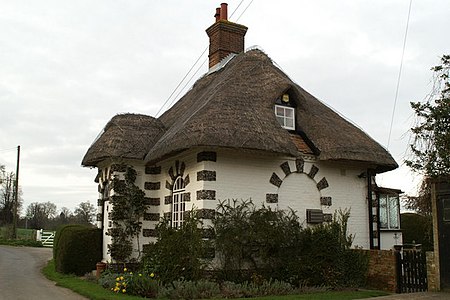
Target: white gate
46, 237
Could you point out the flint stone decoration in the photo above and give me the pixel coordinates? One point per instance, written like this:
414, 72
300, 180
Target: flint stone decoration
299, 163
206, 156
149, 232
285, 167
153, 170
151, 217
152, 201
327, 217
187, 180
313, 171
187, 197
275, 180
272, 198
152, 186
206, 175
322, 184
325, 201
205, 213
206, 195
169, 186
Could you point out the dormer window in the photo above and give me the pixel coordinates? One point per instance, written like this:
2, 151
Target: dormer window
285, 116
285, 111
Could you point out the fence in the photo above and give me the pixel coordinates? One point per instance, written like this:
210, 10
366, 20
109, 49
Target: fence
411, 271
46, 237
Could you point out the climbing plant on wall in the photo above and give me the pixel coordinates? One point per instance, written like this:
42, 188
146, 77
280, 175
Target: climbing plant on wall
128, 207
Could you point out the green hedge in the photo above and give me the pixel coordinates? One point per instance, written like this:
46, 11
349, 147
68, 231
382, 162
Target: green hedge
77, 249
58, 233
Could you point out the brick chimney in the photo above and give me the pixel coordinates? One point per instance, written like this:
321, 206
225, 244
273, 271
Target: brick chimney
225, 37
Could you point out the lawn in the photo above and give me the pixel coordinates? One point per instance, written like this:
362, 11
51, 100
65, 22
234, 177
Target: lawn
25, 237
94, 291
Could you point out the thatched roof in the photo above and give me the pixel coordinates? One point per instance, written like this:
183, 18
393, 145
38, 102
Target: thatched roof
128, 136
234, 108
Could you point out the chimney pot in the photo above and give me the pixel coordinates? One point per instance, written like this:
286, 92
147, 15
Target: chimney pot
217, 15
224, 11
225, 37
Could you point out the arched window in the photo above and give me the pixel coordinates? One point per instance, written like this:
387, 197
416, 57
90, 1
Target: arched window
178, 204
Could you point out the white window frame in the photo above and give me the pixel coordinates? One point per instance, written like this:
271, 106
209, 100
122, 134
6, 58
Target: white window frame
283, 118
178, 203
389, 205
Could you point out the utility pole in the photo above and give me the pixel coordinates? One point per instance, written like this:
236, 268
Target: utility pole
16, 197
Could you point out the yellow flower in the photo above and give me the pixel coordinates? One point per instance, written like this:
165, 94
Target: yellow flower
117, 283
124, 291
140, 274
117, 279
121, 277
131, 273
152, 275
125, 269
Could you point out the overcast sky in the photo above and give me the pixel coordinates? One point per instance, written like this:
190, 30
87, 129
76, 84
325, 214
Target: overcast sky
67, 67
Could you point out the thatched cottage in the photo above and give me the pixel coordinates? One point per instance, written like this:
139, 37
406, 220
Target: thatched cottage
247, 131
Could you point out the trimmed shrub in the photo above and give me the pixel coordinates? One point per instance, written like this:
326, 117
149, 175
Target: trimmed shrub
78, 250
58, 233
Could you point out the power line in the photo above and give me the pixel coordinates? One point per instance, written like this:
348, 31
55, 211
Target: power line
173, 92
192, 67
8, 149
399, 75
245, 9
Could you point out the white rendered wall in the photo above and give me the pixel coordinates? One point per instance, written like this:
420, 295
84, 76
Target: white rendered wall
389, 239
247, 177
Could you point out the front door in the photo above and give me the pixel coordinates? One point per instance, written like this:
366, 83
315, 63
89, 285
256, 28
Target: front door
443, 214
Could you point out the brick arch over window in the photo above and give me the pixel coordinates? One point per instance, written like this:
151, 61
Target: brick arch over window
299, 168
175, 172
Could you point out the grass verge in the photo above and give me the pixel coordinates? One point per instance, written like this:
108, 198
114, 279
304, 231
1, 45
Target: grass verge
26, 243
90, 290
332, 295
94, 291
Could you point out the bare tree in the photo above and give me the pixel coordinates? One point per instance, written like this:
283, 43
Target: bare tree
65, 216
7, 196
85, 213
40, 213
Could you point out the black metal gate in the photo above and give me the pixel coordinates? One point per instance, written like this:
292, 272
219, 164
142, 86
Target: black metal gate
411, 271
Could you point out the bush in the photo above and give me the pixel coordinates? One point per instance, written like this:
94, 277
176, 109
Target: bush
58, 233
273, 245
177, 253
78, 250
261, 240
200, 289
417, 229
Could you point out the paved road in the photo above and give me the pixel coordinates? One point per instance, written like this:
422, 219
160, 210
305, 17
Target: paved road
21, 277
